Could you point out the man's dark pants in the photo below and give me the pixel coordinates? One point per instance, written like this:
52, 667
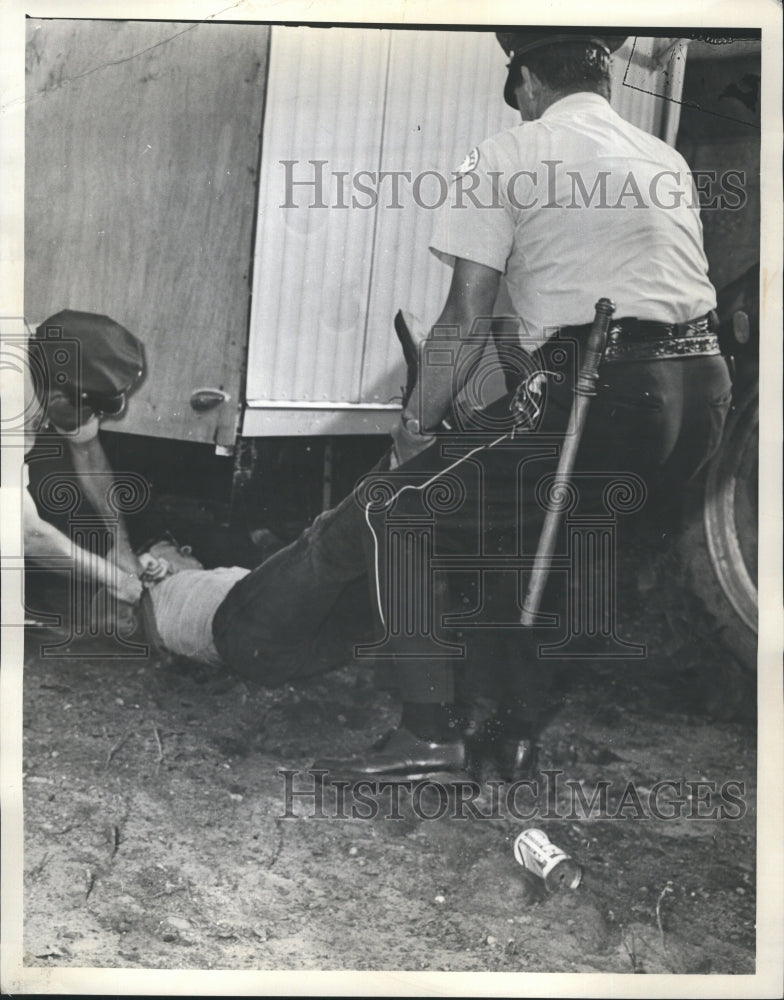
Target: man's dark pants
302, 611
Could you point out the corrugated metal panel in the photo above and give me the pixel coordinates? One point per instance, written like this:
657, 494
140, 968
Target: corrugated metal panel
327, 281
444, 98
312, 264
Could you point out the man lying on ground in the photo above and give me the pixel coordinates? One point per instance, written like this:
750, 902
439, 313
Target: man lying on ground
182, 599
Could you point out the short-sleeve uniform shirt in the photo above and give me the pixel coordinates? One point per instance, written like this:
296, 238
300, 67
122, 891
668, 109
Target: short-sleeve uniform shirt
577, 205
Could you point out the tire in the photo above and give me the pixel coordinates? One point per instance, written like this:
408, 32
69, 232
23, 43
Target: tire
719, 544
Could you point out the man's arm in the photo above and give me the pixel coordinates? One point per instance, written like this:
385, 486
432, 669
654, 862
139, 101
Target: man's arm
92, 466
472, 296
43, 541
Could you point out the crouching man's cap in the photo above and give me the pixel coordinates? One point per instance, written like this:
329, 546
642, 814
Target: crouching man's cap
90, 356
517, 43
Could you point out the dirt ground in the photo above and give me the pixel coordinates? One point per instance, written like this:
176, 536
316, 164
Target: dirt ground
156, 834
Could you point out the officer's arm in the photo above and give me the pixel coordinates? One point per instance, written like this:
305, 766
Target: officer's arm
471, 297
44, 542
92, 466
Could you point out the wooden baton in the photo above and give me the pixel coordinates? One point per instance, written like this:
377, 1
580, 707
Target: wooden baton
585, 388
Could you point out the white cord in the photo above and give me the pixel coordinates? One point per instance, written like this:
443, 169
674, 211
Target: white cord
422, 486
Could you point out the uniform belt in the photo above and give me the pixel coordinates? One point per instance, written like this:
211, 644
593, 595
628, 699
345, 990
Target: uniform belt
645, 340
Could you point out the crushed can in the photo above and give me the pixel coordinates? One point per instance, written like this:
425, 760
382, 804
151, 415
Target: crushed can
534, 850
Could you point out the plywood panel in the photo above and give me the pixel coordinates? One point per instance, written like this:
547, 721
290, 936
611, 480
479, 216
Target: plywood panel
141, 160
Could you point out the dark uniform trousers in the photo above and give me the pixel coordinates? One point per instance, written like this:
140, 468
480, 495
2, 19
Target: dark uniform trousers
302, 611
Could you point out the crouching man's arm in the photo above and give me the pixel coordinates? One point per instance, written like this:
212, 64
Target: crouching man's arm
92, 467
43, 541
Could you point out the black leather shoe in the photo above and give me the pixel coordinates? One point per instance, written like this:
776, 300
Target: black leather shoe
403, 756
507, 757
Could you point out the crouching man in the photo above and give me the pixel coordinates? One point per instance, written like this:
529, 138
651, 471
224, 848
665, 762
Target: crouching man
82, 367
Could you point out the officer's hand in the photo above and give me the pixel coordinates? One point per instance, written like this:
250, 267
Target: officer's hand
407, 443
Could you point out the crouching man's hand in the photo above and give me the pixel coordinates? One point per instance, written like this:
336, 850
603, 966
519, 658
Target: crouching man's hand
126, 587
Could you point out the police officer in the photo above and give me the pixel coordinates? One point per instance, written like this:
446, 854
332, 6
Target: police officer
570, 205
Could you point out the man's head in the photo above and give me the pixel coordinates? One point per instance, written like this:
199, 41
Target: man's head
545, 66
88, 364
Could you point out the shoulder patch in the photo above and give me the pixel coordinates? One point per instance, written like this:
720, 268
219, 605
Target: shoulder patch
470, 162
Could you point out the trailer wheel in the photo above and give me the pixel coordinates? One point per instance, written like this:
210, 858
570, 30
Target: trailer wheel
719, 548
